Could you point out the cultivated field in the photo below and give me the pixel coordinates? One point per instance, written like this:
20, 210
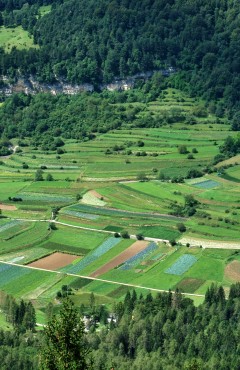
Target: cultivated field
97, 202
54, 261
121, 258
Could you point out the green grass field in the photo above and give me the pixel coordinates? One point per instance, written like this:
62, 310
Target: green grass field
15, 37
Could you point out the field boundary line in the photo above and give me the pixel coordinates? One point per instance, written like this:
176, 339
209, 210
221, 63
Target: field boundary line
195, 243
99, 279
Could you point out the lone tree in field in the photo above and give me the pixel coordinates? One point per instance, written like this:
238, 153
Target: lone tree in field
39, 175
182, 149
65, 344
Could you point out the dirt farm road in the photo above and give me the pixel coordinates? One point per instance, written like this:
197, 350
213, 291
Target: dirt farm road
210, 244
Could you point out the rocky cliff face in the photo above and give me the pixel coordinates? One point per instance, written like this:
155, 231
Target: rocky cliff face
31, 86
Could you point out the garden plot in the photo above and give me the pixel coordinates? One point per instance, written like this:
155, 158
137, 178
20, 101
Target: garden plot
93, 198
182, 265
9, 225
54, 261
232, 271
46, 197
122, 213
139, 257
9, 273
121, 258
77, 214
207, 184
6, 207
102, 249
189, 285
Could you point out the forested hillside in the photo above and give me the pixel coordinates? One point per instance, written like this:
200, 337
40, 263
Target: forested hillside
168, 332
93, 41
162, 332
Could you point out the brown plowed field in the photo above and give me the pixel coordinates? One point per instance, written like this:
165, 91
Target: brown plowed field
122, 257
232, 271
6, 207
54, 261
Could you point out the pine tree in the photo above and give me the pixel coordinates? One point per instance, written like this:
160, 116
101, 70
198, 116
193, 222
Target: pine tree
65, 344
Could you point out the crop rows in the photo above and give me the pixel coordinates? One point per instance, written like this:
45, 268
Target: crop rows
64, 167
139, 257
182, 265
103, 248
45, 197
157, 256
9, 225
207, 184
86, 216
116, 212
10, 273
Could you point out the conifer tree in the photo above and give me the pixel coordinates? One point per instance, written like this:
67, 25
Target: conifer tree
65, 345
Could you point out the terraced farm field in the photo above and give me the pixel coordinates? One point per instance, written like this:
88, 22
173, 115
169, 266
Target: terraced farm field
97, 205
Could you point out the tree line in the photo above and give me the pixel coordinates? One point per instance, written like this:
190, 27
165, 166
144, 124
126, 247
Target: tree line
163, 331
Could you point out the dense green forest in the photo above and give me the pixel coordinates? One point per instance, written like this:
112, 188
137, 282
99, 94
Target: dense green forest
162, 332
45, 116
93, 41
169, 332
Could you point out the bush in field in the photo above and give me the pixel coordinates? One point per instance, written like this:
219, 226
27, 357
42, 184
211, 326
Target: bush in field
139, 237
78, 197
52, 226
125, 235
49, 177
182, 149
193, 173
142, 177
39, 175
177, 179
15, 199
60, 151
181, 227
140, 143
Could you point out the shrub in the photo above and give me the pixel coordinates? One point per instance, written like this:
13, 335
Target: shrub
182, 149
60, 151
140, 143
52, 226
78, 197
181, 227
142, 177
49, 177
125, 234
